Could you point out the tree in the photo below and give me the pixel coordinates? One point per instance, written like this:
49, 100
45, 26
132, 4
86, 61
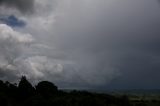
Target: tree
25, 88
46, 88
3, 86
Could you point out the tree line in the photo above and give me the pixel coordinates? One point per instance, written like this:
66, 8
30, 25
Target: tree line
45, 93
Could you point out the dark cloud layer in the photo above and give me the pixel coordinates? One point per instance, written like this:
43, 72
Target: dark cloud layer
24, 6
122, 36
90, 44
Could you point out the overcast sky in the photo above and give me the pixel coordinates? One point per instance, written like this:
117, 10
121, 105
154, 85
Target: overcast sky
97, 44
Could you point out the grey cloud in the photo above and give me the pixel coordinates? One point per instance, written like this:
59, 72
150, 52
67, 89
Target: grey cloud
103, 37
18, 56
24, 6
95, 43
104, 41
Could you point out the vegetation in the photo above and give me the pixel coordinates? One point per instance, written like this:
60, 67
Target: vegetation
47, 94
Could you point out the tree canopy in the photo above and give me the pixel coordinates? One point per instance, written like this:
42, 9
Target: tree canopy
46, 93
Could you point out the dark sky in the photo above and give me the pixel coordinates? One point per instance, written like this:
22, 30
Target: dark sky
99, 44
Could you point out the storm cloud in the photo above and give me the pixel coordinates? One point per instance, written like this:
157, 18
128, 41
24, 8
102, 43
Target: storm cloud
85, 44
24, 6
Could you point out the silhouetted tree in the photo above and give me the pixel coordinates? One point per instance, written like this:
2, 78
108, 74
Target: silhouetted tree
12, 89
3, 86
47, 94
25, 88
3, 96
46, 88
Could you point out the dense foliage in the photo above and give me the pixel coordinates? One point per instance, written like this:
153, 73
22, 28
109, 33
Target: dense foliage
47, 94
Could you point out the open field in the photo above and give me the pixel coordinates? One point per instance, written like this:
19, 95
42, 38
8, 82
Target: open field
141, 97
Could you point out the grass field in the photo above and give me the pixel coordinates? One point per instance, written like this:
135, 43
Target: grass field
141, 97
